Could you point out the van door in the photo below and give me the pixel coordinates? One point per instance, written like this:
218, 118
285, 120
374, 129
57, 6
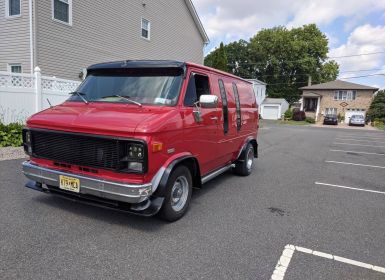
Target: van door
200, 136
227, 130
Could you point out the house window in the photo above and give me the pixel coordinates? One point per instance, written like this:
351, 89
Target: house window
62, 11
345, 95
145, 29
331, 111
14, 68
13, 8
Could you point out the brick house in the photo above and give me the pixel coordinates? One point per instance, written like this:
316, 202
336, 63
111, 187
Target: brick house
336, 97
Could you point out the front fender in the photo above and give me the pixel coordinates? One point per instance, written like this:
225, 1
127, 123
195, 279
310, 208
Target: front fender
160, 179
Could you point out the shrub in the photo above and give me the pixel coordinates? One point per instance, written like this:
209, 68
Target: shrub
289, 114
10, 135
340, 117
310, 120
299, 116
377, 108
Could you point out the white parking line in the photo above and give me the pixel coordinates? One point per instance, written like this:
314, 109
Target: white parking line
350, 144
361, 137
349, 188
357, 164
288, 252
374, 137
350, 139
358, 152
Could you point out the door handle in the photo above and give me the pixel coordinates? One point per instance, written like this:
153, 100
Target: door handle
214, 118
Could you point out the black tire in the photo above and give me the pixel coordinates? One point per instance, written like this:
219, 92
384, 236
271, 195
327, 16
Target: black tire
171, 210
243, 166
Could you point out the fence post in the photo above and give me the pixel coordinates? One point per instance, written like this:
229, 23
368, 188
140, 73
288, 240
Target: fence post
38, 93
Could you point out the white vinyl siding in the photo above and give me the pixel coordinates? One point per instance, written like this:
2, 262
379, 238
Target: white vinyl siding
102, 33
14, 37
145, 32
12, 8
345, 95
62, 11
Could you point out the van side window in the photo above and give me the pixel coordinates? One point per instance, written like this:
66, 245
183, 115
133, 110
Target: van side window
238, 105
225, 108
197, 86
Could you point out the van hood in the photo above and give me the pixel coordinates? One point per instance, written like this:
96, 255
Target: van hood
96, 118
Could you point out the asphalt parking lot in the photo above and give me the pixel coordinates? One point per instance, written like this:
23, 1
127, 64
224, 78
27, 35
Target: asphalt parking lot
313, 208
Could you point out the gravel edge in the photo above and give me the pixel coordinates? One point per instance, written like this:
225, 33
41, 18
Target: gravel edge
8, 153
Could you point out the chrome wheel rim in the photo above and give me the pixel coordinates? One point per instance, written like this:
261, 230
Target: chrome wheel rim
249, 159
179, 193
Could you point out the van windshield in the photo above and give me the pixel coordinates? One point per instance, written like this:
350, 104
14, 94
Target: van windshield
150, 88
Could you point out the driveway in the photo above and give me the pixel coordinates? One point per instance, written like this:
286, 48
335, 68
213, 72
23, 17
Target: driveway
313, 208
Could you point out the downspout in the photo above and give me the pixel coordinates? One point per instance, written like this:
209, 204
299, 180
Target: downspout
31, 52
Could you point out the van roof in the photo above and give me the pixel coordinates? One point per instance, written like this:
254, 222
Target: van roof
170, 64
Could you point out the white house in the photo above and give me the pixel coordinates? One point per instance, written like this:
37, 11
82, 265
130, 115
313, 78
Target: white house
259, 91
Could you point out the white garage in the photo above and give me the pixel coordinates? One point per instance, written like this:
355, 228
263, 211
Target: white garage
351, 112
273, 108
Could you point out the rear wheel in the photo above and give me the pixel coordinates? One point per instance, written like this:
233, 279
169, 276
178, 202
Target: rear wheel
244, 165
178, 194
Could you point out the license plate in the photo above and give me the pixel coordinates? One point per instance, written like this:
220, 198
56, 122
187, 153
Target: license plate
69, 184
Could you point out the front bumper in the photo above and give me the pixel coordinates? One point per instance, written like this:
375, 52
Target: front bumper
116, 191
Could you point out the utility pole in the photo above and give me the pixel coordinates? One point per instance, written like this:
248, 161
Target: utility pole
309, 81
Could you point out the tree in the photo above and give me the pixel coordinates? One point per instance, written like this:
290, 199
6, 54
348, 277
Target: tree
238, 57
282, 58
377, 108
219, 59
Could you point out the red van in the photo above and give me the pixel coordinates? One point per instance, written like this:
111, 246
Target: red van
137, 136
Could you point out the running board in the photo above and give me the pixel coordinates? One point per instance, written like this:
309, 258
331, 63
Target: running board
216, 173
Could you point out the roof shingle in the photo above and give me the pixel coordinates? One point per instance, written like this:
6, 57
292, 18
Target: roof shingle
338, 84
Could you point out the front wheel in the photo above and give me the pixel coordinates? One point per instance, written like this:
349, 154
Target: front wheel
178, 194
244, 165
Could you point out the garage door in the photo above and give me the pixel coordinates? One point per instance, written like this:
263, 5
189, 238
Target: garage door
270, 112
350, 113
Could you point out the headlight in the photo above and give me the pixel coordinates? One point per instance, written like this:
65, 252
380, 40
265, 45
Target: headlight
133, 158
27, 141
135, 151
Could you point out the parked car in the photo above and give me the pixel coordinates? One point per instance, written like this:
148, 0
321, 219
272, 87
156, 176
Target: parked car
331, 119
357, 120
138, 135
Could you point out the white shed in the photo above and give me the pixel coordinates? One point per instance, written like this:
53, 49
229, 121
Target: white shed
259, 91
273, 108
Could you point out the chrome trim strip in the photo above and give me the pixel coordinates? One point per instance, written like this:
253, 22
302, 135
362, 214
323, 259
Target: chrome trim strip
130, 193
214, 174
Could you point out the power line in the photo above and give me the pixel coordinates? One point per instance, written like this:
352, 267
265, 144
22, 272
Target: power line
347, 78
355, 55
309, 58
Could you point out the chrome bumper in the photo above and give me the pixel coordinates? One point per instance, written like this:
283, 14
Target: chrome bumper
118, 191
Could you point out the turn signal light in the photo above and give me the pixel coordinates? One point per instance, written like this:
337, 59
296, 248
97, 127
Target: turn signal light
157, 147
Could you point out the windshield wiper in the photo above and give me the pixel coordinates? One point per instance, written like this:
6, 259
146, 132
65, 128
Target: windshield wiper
127, 98
81, 95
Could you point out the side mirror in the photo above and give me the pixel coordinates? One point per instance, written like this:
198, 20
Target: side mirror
208, 101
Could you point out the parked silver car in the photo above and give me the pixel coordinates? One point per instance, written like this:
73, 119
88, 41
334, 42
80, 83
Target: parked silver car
357, 120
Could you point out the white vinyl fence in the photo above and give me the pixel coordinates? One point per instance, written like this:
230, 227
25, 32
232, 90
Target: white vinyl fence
22, 95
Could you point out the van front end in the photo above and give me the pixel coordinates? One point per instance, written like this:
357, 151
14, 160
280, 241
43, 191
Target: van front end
102, 170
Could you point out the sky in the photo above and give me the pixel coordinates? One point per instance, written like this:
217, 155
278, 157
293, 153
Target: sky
351, 26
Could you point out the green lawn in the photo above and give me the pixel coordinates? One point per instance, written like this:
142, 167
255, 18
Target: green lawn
380, 126
291, 122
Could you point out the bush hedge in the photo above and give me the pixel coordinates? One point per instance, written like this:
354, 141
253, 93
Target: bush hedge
299, 116
10, 135
288, 114
310, 120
